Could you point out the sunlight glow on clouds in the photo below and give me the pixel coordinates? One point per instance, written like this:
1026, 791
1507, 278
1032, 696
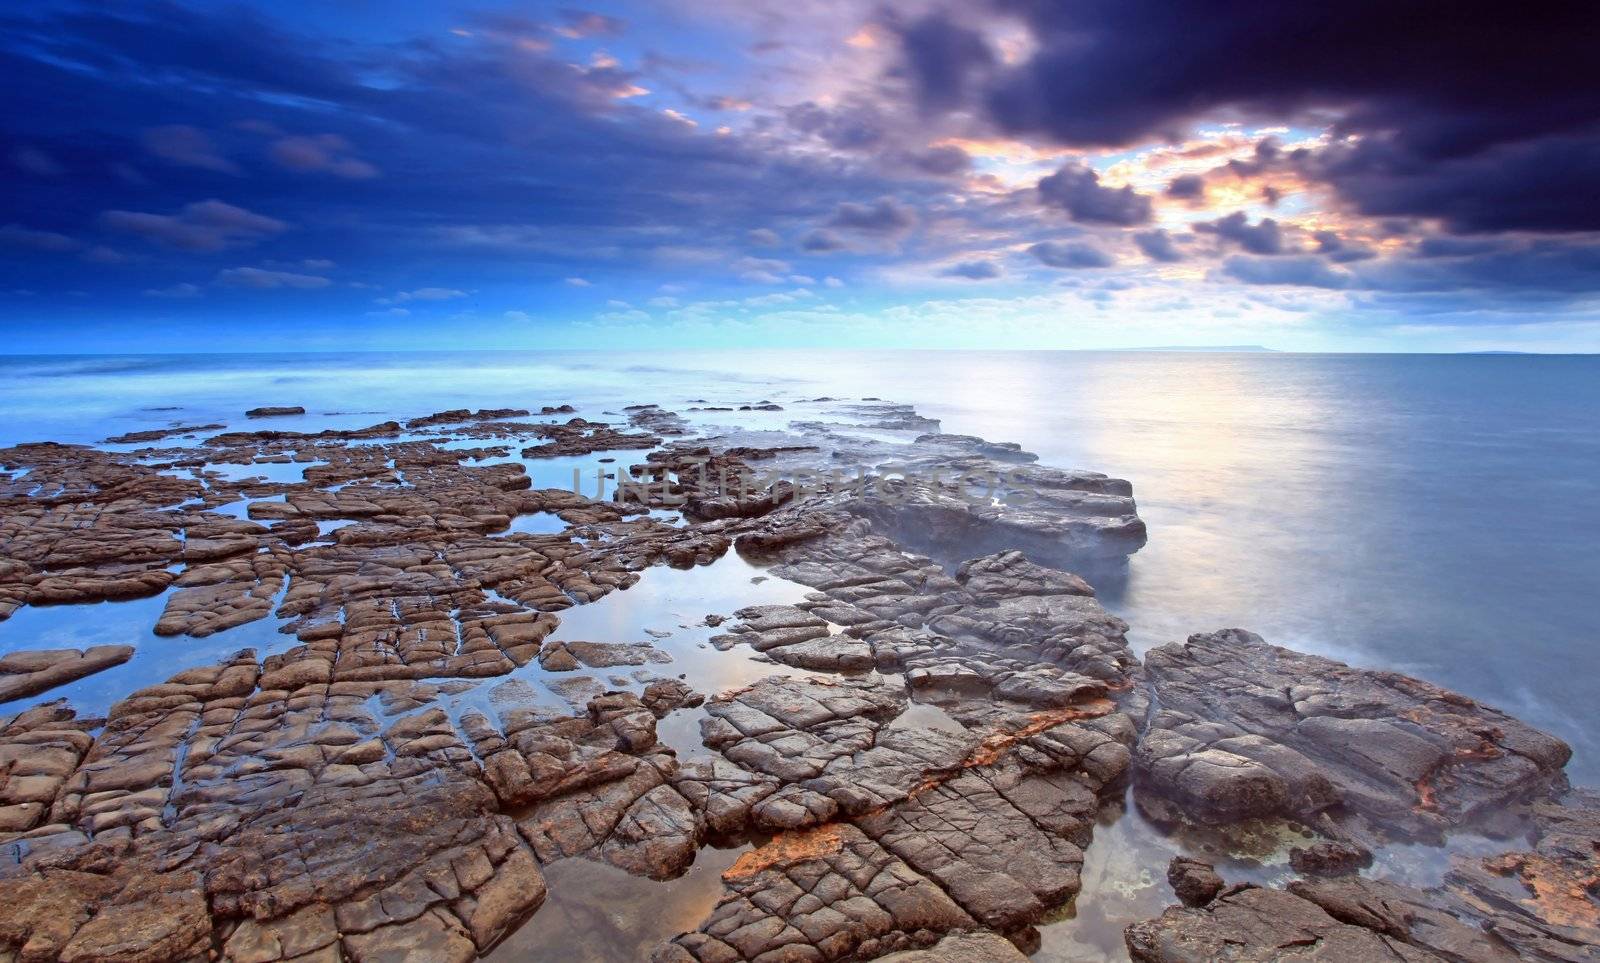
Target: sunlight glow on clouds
1001, 172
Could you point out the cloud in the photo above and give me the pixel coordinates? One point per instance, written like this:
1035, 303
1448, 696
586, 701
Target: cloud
576, 24
884, 217
187, 147
202, 226
1336, 248
425, 294
942, 56
821, 241
1187, 187
177, 292
1264, 237
1543, 185
1513, 270
264, 279
763, 237
15, 235
578, 282
1462, 132
980, 269
758, 270
1177, 61
944, 161
1158, 245
323, 153
32, 160
100, 254
1070, 254
1304, 271
1076, 189
852, 126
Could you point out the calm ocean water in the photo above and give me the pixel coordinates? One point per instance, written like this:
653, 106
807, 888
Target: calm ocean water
1434, 514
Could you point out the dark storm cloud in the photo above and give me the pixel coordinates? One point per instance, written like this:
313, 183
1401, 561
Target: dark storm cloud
941, 56
1070, 254
1481, 113
1076, 189
1456, 75
1545, 269
1546, 184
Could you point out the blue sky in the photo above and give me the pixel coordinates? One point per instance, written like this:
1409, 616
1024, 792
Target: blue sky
998, 173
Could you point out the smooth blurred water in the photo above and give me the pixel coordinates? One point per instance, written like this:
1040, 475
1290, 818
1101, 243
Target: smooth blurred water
1438, 514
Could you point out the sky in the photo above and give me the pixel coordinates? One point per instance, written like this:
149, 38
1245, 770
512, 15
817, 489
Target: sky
1348, 175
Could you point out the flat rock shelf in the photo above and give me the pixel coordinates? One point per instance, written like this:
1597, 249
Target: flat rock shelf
718, 701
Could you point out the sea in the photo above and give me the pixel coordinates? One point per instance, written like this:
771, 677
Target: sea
1438, 515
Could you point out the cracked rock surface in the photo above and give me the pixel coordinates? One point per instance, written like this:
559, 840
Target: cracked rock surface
914, 757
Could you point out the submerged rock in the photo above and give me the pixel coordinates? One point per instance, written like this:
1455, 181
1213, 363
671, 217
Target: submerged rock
1535, 905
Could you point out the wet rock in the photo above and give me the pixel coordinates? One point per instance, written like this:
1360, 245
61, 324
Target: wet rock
39, 749
561, 656
135, 437
828, 893
1196, 883
580, 437
1518, 905
1248, 729
666, 695
978, 947
270, 411
32, 671
1540, 902
656, 420
1405, 914
1253, 924
458, 415
1329, 859
321, 804
978, 834
792, 636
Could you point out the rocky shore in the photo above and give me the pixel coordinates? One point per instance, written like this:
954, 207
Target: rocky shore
911, 752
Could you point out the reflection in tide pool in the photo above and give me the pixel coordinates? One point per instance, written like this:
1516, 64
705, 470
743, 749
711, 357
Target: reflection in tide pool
155, 659
535, 523
667, 608
596, 913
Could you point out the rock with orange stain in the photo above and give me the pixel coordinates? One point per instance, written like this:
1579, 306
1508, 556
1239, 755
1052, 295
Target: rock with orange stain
1543, 903
825, 894
1246, 729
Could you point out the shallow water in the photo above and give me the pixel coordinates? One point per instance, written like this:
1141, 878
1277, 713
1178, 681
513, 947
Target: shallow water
597, 913
1434, 514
